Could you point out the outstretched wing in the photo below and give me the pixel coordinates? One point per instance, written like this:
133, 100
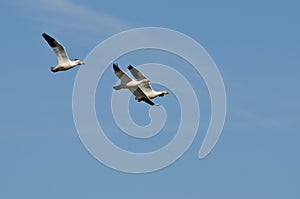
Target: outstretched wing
121, 75
140, 95
59, 49
138, 75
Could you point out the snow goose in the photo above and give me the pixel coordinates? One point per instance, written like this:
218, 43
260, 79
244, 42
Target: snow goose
126, 81
64, 63
132, 85
146, 87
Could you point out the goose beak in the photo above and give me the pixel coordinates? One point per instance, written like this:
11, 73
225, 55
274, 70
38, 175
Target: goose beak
81, 63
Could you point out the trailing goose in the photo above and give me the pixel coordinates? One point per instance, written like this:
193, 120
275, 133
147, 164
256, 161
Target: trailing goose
126, 81
132, 85
64, 63
146, 87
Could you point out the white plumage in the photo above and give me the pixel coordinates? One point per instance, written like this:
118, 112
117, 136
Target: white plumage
126, 81
146, 87
64, 63
139, 87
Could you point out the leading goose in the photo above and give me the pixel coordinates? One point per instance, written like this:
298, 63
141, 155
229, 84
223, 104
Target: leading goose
146, 88
64, 63
132, 85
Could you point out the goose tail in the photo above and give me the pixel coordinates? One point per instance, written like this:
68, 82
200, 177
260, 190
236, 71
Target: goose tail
118, 87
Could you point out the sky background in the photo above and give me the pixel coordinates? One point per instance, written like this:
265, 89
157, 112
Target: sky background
256, 48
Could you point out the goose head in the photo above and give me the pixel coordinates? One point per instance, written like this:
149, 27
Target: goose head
78, 62
145, 81
163, 93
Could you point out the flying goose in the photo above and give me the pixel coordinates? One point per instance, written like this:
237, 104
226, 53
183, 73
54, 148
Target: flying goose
146, 87
132, 85
126, 81
64, 63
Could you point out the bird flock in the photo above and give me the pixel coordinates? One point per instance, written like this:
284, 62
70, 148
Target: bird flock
139, 86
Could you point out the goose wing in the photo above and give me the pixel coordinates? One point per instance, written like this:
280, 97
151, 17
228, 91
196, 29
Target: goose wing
59, 49
137, 91
138, 75
121, 75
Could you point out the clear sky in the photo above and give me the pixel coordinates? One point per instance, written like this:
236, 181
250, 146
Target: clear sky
255, 45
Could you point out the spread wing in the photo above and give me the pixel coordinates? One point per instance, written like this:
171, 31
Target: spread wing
59, 49
121, 75
139, 76
136, 73
137, 91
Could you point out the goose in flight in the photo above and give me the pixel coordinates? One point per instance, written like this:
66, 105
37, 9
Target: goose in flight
146, 87
132, 85
126, 81
64, 63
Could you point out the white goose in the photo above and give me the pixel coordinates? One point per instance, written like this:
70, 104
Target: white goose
145, 87
126, 81
64, 63
132, 85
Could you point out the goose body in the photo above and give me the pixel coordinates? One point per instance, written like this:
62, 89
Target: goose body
126, 81
132, 85
64, 63
146, 87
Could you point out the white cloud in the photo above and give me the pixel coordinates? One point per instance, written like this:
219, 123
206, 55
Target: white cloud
67, 14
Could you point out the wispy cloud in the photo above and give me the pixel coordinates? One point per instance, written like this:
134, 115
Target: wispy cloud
67, 14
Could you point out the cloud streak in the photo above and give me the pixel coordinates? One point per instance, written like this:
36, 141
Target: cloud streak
67, 14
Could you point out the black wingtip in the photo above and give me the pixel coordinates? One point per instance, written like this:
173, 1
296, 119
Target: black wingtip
49, 39
152, 103
148, 101
130, 67
116, 67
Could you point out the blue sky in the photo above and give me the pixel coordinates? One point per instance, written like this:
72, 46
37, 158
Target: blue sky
256, 48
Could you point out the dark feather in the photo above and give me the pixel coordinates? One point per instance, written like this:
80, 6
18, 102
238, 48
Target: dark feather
49, 40
116, 67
